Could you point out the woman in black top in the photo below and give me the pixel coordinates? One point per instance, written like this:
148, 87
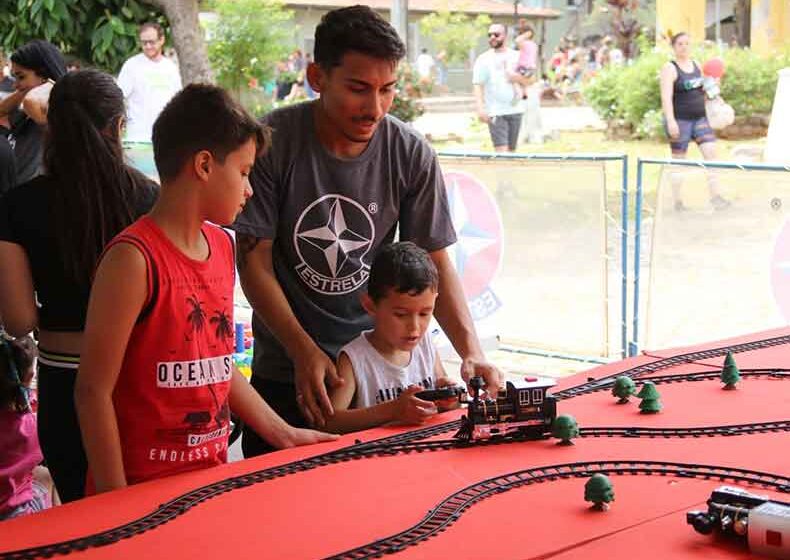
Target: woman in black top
52, 231
36, 66
683, 104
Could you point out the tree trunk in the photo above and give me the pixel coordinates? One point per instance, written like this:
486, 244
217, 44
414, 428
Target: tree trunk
743, 18
188, 39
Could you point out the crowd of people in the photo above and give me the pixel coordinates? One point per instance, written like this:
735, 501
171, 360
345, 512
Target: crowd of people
127, 286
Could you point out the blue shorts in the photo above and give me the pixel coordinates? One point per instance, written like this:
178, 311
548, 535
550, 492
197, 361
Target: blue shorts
698, 130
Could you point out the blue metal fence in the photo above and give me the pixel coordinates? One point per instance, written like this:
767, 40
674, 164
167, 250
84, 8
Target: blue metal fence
633, 345
579, 157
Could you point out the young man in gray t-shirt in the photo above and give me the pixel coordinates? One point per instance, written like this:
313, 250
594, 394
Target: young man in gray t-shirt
341, 178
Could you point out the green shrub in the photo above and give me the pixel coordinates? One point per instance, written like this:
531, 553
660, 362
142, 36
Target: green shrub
631, 95
409, 89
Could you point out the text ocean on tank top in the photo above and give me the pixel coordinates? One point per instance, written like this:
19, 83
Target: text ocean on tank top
378, 380
171, 398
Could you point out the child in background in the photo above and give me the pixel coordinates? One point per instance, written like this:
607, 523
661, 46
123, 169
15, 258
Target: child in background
384, 368
157, 382
24, 487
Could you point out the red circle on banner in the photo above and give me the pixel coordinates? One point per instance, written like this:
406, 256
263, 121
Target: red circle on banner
478, 253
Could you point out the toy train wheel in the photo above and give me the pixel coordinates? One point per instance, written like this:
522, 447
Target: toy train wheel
465, 431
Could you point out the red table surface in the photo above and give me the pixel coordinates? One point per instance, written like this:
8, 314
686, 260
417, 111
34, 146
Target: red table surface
335, 508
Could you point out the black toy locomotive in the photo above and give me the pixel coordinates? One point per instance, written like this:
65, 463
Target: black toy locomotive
523, 406
764, 522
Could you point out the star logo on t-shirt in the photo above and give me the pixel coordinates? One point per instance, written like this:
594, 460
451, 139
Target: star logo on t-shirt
332, 237
335, 239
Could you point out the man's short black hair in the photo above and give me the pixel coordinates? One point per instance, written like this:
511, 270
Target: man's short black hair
404, 267
358, 29
202, 117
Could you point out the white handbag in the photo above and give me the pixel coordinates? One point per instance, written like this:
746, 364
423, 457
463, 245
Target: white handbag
720, 113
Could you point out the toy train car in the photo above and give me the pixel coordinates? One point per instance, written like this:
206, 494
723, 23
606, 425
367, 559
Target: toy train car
764, 522
523, 406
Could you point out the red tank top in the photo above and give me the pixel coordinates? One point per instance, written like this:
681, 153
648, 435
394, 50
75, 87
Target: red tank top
171, 398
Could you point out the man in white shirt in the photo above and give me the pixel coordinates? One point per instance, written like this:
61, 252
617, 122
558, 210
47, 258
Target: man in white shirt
498, 105
425, 65
148, 80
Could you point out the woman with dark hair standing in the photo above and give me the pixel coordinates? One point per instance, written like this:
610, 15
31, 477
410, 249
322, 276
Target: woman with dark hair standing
683, 103
36, 67
52, 231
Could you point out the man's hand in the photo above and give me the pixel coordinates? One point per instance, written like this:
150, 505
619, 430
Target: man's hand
483, 117
312, 370
475, 366
411, 410
300, 436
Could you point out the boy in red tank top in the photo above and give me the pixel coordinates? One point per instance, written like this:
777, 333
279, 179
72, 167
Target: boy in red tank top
157, 382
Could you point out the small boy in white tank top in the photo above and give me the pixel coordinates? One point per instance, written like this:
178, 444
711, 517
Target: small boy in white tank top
385, 367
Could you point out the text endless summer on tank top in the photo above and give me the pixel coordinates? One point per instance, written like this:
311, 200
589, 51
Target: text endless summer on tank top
171, 398
688, 97
378, 380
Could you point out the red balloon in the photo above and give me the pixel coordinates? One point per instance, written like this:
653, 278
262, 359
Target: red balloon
713, 68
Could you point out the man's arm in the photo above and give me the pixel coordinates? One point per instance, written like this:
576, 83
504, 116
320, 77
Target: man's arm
482, 114
117, 297
266, 296
454, 317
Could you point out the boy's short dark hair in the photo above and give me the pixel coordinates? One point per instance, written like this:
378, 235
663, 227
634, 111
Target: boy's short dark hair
404, 267
16, 358
202, 117
358, 29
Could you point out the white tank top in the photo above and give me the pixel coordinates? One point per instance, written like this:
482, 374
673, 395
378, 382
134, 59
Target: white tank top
378, 380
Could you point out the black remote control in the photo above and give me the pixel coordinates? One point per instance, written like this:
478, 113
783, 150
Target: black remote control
440, 394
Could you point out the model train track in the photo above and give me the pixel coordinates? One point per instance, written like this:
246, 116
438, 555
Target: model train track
606, 384
665, 363
598, 432
449, 510
387, 446
411, 442
178, 506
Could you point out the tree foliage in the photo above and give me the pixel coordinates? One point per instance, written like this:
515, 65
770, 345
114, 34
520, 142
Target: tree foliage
99, 32
454, 32
247, 39
623, 388
410, 89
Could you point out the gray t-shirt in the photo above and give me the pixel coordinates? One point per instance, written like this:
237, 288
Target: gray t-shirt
328, 217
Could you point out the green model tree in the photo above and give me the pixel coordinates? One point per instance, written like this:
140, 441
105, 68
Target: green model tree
623, 388
730, 375
565, 428
650, 398
599, 491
